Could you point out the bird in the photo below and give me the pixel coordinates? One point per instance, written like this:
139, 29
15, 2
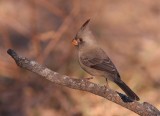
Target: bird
93, 59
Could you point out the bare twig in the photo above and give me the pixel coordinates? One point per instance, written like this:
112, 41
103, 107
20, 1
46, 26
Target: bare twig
62, 29
143, 109
50, 7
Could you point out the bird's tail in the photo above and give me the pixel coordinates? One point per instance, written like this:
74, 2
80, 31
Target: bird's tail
127, 90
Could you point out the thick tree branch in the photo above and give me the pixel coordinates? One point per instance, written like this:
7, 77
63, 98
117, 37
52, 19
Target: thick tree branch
143, 109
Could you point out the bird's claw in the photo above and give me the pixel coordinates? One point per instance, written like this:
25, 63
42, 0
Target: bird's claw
89, 78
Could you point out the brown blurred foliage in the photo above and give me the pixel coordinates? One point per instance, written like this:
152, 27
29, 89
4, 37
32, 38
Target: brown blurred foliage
129, 31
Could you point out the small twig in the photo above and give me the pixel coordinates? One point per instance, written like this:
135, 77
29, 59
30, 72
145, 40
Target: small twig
62, 29
50, 7
143, 109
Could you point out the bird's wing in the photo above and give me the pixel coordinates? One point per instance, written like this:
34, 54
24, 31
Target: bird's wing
98, 60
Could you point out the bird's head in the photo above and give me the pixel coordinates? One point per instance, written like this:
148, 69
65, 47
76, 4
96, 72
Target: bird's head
84, 37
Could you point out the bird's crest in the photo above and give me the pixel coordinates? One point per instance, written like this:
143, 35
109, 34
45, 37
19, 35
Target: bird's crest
84, 26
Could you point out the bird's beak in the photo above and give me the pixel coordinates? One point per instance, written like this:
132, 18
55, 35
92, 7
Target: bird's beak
74, 42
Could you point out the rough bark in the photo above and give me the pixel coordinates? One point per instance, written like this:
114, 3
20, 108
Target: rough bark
143, 109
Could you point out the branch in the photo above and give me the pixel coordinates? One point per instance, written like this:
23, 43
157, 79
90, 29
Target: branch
143, 109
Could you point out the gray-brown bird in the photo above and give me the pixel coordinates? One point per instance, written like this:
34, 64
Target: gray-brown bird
95, 61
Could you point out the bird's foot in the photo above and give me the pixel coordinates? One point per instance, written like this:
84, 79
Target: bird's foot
89, 78
106, 86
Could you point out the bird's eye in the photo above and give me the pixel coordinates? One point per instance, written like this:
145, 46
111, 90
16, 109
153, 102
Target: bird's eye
80, 39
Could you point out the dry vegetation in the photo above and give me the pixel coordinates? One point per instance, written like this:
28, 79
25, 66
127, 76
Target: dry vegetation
129, 31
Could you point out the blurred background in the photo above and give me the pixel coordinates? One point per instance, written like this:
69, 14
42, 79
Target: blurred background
42, 30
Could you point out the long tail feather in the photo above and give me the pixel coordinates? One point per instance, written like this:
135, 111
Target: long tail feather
127, 90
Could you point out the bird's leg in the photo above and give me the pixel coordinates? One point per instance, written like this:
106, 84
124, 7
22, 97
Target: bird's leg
106, 85
89, 78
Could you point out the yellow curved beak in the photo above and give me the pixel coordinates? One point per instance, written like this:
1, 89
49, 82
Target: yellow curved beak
74, 42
